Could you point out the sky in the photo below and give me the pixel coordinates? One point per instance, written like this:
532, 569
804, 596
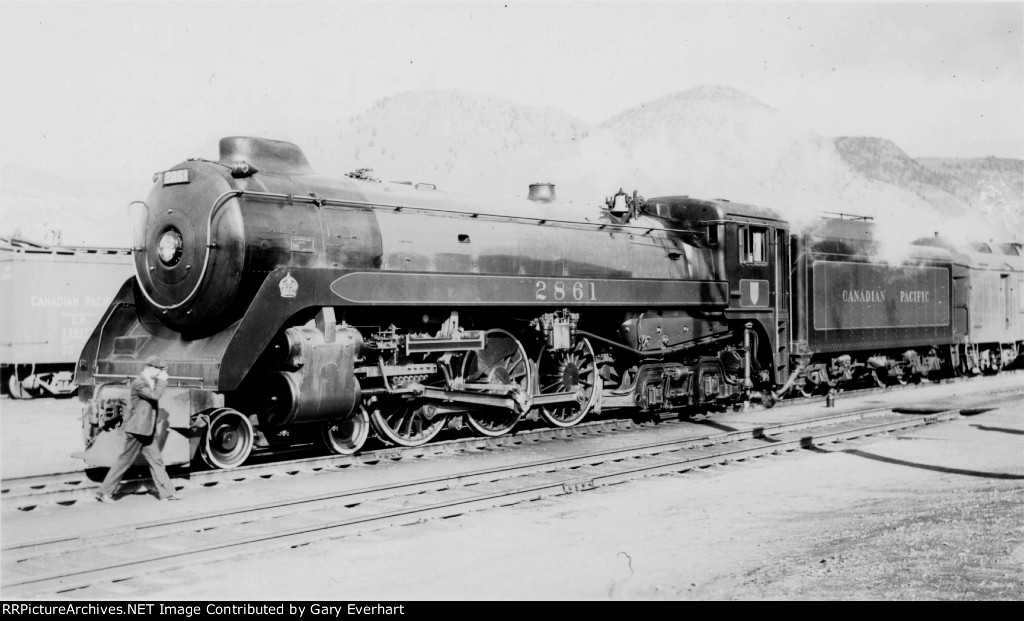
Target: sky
118, 90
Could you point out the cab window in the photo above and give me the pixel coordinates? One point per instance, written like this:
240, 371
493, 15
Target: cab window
753, 242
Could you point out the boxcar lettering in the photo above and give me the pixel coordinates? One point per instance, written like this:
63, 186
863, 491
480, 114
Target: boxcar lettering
98, 301
54, 300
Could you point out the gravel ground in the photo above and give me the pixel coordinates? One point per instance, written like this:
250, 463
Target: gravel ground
936, 513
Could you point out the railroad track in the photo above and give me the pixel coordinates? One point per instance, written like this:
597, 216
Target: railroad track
71, 489
63, 564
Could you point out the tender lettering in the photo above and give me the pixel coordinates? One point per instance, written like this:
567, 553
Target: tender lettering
878, 295
863, 295
914, 296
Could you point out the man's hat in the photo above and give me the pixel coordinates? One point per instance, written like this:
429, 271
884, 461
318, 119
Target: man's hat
154, 361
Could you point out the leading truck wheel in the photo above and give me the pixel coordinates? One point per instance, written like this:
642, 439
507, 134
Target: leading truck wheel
345, 436
229, 439
17, 390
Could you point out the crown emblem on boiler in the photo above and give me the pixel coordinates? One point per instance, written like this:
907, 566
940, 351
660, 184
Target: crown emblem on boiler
289, 286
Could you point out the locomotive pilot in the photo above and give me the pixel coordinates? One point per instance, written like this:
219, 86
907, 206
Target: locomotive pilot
140, 431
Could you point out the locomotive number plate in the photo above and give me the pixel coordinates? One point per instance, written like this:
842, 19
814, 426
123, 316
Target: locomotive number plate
173, 177
569, 290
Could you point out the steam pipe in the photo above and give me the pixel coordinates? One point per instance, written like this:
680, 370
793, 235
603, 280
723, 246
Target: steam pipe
646, 354
747, 384
792, 378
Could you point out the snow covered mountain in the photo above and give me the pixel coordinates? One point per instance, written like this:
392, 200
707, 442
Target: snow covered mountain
990, 189
709, 141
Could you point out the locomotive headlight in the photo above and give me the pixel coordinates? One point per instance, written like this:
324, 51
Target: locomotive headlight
169, 247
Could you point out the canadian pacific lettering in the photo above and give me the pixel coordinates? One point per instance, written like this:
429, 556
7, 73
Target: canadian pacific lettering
878, 295
914, 296
865, 295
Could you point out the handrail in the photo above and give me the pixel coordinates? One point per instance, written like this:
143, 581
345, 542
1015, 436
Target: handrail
321, 201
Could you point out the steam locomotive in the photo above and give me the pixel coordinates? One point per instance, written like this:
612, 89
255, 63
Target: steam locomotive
292, 306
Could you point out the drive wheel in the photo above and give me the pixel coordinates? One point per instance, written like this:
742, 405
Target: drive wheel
406, 422
568, 370
502, 361
345, 436
229, 439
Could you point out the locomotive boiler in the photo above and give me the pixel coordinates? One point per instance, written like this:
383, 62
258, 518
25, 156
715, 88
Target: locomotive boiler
290, 305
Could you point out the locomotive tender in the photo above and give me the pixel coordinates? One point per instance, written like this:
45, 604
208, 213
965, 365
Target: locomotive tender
290, 305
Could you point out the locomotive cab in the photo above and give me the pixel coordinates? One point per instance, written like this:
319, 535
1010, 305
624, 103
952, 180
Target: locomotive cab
751, 249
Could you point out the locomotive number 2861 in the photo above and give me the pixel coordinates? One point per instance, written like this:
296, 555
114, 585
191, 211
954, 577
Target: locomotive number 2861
576, 290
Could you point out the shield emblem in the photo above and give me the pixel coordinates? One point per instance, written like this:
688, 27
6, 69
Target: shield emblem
755, 291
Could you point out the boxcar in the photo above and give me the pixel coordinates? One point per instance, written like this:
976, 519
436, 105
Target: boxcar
51, 298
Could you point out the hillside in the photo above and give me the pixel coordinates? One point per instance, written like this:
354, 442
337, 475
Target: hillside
708, 141
991, 188
459, 140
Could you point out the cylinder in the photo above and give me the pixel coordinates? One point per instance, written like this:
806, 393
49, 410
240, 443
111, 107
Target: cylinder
318, 382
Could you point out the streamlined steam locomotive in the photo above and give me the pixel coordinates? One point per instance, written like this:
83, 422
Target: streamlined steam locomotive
291, 306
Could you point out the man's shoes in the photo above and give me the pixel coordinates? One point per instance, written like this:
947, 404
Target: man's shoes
174, 496
104, 498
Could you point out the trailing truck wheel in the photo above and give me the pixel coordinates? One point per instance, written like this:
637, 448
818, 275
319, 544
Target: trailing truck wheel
229, 439
345, 436
568, 370
502, 361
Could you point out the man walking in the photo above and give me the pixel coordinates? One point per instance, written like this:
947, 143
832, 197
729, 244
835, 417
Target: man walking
140, 431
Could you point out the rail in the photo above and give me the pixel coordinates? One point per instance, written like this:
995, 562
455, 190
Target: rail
38, 566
